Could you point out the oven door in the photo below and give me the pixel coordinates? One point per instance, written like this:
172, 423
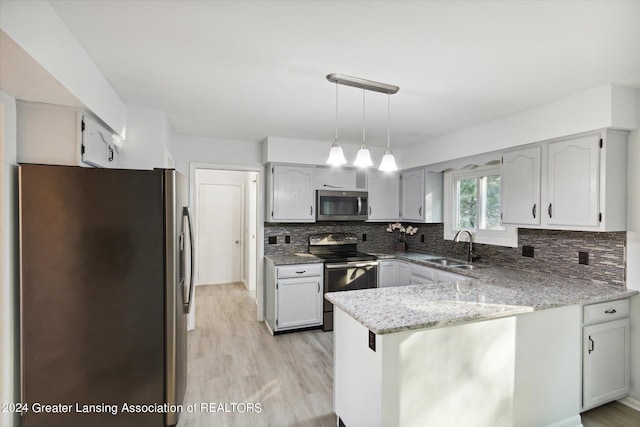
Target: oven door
349, 276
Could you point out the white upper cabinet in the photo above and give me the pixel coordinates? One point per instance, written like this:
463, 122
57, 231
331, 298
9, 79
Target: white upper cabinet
384, 195
520, 178
58, 135
291, 193
421, 196
332, 178
97, 145
575, 183
573, 180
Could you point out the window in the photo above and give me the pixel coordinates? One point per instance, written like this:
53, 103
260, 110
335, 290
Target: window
472, 201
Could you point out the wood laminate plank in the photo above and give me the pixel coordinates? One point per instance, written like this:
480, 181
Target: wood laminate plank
613, 414
232, 358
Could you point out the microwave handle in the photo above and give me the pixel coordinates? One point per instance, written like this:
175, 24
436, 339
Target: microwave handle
359, 205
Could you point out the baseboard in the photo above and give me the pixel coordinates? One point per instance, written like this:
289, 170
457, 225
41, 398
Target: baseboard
573, 421
631, 403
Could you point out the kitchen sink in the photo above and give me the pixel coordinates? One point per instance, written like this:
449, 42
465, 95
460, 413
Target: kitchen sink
464, 266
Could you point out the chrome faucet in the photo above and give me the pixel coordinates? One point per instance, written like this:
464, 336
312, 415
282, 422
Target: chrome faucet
471, 255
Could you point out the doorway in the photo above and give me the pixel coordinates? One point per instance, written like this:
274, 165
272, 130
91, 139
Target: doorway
220, 233
227, 230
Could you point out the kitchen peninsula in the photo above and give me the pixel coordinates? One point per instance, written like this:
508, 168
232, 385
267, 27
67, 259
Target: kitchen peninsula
501, 349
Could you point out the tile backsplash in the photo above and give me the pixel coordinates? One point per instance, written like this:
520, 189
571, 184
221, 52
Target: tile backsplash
555, 252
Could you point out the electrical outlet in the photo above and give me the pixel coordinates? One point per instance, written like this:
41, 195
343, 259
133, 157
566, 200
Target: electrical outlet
273, 240
364, 237
422, 238
287, 239
528, 251
372, 340
583, 258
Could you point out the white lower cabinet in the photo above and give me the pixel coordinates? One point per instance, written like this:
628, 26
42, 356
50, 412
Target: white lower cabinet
401, 273
294, 295
605, 353
393, 273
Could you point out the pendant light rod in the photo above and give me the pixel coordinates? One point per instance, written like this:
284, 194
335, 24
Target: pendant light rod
336, 140
362, 83
363, 121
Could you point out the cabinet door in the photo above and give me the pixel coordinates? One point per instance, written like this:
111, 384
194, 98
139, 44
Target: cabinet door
299, 302
605, 361
403, 273
573, 182
413, 195
95, 143
384, 196
447, 276
387, 274
293, 194
520, 183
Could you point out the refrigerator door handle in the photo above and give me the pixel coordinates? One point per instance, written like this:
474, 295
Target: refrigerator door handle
187, 305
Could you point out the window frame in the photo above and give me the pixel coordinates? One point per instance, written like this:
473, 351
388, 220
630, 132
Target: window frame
506, 237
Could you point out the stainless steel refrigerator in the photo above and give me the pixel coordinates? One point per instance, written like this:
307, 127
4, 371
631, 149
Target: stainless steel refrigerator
105, 288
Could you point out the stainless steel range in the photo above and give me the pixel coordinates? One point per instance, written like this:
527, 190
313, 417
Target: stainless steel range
345, 268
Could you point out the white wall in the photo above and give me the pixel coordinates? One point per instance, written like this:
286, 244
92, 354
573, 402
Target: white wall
9, 372
60, 54
633, 256
597, 108
217, 151
147, 140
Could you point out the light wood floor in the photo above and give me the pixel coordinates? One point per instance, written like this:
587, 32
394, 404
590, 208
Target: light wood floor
613, 414
232, 358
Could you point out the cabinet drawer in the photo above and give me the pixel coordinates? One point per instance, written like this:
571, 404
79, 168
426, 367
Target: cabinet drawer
299, 270
604, 311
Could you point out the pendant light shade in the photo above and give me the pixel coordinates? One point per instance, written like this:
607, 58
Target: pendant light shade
388, 163
336, 156
363, 158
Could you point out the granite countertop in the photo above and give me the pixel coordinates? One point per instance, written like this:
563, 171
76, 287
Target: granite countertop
297, 258
490, 292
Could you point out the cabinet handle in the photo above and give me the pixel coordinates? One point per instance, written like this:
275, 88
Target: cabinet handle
533, 210
310, 210
420, 211
318, 287
110, 154
549, 210
592, 345
301, 272
369, 210
611, 311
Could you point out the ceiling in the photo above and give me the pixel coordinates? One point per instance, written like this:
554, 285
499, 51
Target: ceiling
250, 69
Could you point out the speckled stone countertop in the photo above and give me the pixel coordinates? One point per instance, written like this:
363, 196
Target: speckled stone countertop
298, 258
490, 292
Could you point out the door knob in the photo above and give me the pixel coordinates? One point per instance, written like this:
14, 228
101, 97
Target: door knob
237, 241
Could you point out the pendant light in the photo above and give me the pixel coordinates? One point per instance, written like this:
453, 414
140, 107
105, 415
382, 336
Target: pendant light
336, 156
363, 158
388, 163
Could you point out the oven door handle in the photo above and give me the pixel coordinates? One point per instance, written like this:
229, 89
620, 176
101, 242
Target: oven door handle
351, 265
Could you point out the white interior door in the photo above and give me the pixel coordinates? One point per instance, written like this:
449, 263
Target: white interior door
220, 233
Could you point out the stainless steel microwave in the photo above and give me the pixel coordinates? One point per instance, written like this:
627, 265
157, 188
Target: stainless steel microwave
336, 205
